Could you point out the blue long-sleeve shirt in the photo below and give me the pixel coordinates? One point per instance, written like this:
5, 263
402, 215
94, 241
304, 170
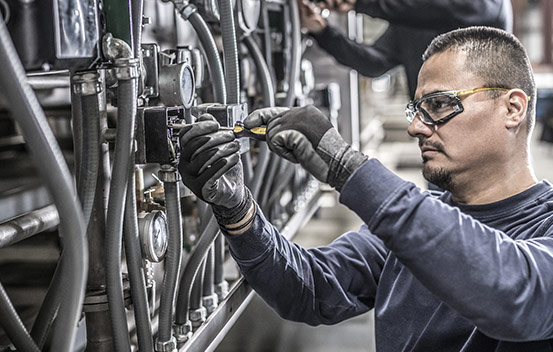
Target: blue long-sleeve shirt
441, 276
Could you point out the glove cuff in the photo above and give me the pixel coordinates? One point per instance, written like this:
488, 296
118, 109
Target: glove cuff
344, 165
228, 216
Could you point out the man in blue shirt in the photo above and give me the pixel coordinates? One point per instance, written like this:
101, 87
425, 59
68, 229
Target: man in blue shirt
469, 271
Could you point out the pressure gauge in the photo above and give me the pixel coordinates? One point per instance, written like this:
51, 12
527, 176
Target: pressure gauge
154, 235
176, 85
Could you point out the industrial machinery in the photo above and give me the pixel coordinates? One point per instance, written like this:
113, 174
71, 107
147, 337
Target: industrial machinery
101, 246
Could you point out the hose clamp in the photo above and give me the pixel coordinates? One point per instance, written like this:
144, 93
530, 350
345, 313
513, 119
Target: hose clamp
198, 316
166, 346
187, 11
222, 290
183, 332
168, 174
126, 68
87, 83
210, 302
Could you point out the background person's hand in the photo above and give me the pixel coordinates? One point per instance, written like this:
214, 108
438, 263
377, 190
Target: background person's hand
306, 136
310, 19
210, 167
340, 6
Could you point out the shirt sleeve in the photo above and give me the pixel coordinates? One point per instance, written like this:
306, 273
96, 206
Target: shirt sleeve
500, 284
369, 60
438, 14
323, 285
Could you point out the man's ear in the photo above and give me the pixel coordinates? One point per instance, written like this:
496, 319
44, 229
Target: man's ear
517, 104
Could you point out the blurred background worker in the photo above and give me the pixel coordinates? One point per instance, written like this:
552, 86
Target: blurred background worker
412, 26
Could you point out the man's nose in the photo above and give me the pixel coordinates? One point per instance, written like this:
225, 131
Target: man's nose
418, 128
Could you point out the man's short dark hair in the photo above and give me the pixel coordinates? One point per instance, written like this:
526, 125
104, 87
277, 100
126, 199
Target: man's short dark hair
494, 55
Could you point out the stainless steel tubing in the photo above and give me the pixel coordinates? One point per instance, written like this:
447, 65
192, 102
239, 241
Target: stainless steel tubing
30, 224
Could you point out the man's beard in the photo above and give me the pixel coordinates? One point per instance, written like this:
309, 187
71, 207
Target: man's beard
439, 177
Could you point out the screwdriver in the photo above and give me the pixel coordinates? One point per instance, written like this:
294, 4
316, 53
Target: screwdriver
257, 133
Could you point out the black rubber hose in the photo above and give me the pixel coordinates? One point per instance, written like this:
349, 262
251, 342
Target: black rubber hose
49, 160
13, 326
192, 267
295, 64
264, 74
49, 308
209, 274
283, 181
90, 158
197, 286
267, 47
219, 274
137, 14
270, 175
127, 92
230, 51
135, 264
267, 87
172, 261
214, 64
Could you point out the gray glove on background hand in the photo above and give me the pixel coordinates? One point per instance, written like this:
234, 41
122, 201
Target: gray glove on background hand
210, 167
306, 136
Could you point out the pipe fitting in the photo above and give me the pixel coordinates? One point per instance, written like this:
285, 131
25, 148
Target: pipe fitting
221, 289
88, 83
115, 48
198, 317
183, 332
166, 346
168, 174
210, 302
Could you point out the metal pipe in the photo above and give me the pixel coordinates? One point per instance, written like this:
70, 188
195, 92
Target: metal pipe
49, 81
51, 164
28, 225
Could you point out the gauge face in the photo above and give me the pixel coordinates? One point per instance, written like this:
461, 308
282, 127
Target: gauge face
160, 236
187, 86
154, 235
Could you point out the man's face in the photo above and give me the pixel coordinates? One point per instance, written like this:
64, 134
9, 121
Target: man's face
463, 149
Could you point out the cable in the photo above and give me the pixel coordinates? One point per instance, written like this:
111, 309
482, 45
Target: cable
49, 160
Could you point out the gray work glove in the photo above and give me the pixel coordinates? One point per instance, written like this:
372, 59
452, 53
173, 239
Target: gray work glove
306, 136
210, 167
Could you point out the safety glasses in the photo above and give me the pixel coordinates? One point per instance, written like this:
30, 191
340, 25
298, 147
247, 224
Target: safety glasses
440, 107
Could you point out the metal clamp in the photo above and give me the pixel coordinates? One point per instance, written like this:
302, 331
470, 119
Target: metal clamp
166, 346
168, 174
210, 303
126, 69
88, 83
198, 317
222, 290
183, 332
